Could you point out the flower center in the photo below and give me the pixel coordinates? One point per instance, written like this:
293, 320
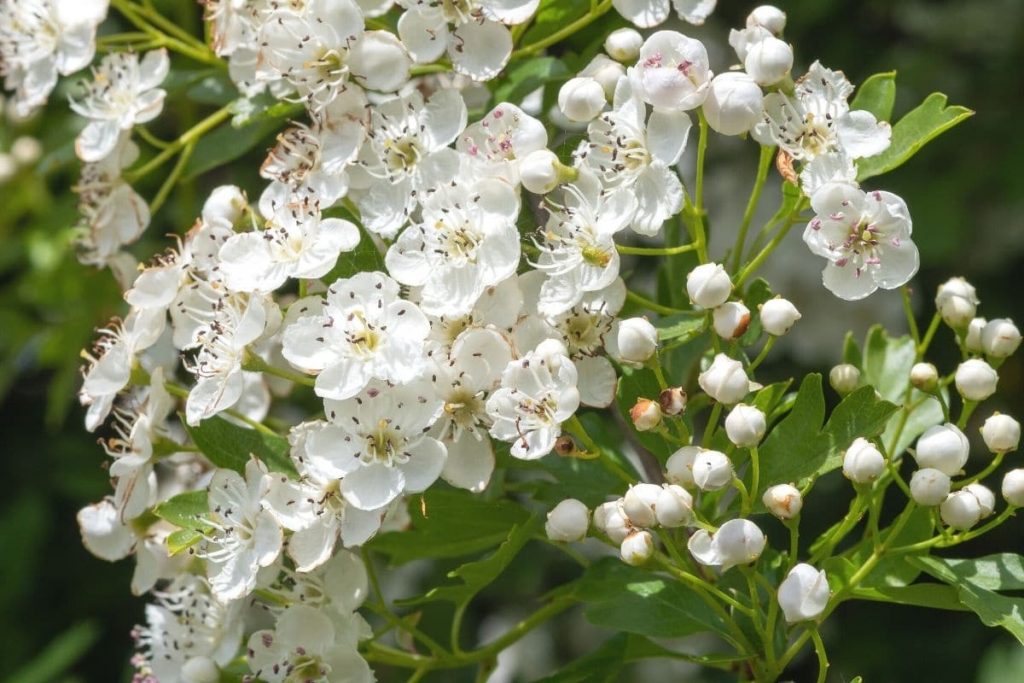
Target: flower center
382, 443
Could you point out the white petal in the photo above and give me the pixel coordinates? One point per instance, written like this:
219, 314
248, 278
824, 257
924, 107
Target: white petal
847, 282
667, 132
695, 12
861, 135
311, 547
898, 264
470, 462
703, 549
379, 61
424, 33
443, 118
153, 69
480, 51
305, 345
426, 460
597, 381
97, 140
659, 196
643, 13
103, 533
359, 526
344, 379
373, 486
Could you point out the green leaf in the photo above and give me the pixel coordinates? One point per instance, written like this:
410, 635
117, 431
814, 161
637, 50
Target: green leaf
933, 595
794, 449
757, 293
589, 482
1000, 572
60, 655
770, 397
918, 127
523, 77
364, 258
994, 609
877, 95
637, 383
552, 16
861, 413
680, 327
227, 143
896, 570
450, 523
186, 510
229, 446
181, 540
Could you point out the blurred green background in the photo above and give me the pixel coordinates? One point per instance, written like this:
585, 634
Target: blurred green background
67, 616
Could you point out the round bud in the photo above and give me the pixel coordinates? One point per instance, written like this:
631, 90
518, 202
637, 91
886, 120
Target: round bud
929, 487
862, 462
581, 99
674, 507
924, 376
8, 167
539, 171
639, 503
568, 521
957, 302
637, 548
609, 518
972, 337
708, 285
1013, 487
986, 499
943, 447
606, 72
1000, 338
679, 466
646, 414
783, 500
623, 44
725, 380
734, 103
200, 670
844, 378
1001, 433
634, 340
976, 380
738, 541
712, 470
745, 425
559, 119
564, 445
961, 509
768, 60
804, 593
26, 150
769, 17
731, 319
778, 316
672, 400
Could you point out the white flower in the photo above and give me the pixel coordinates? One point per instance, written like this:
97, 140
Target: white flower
964, 508
633, 341
377, 443
123, 93
623, 44
672, 72
648, 13
943, 447
734, 103
499, 141
581, 99
1013, 487
538, 393
725, 380
364, 331
104, 533
244, 535
40, 39
637, 547
639, 504
929, 486
862, 461
975, 379
865, 236
1001, 433
738, 541
783, 500
731, 320
708, 285
745, 425
804, 593
778, 316
568, 521
1000, 338
679, 466
712, 470
674, 506
957, 302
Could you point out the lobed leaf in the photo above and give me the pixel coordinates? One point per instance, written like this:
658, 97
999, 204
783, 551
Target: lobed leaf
877, 94
229, 446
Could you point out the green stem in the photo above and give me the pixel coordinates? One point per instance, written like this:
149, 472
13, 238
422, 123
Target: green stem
989, 469
839, 532
181, 392
928, 335
709, 430
764, 354
965, 413
596, 12
577, 429
819, 649
915, 334
763, 164
651, 305
154, 24
794, 540
758, 260
186, 138
655, 251
172, 179
254, 363
755, 473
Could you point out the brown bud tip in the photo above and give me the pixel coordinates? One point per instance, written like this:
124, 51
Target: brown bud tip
646, 414
565, 446
672, 400
784, 165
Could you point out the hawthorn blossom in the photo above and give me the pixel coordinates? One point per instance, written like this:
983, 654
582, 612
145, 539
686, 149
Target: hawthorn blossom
673, 72
865, 236
496, 144
104, 533
498, 309
648, 13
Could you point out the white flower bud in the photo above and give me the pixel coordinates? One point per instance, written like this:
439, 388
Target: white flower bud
637, 548
769, 17
745, 425
734, 103
541, 171
226, 203
712, 470
972, 337
646, 414
986, 499
609, 518
943, 447
778, 316
738, 541
725, 380
606, 72
929, 486
708, 285
1013, 487
862, 462
200, 670
8, 167
679, 466
634, 340
783, 500
731, 320
674, 507
976, 380
1000, 338
769, 60
559, 119
26, 150
804, 593
568, 521
1001, 433
623, 44
672, 400
844, 378
924, 376
639, 503
581, 99
961, 509
957, 302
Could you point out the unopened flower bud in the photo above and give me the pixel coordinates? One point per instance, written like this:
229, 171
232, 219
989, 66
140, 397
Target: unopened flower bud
778, 316
862, 462
674, 507
581, 99
226, 203
943, 447
731, 320
738, 541
745, 425
769, 60
568, 521
672, 400
200, 670
679, 466
639, 503
844, 378
961, 509
8, 167
804, 593
957, 302
1001, 433
1000, 338
541, 172
609, 518
783, 500
972, 337
976, 380
734, 103
26, 150
708, 285
634, 340
606, 72
646, 414
712, 470
929, 486
623, 44
725, 380
769, 17
1013, 487
637, 548
564, 445
924, 376
986, 499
